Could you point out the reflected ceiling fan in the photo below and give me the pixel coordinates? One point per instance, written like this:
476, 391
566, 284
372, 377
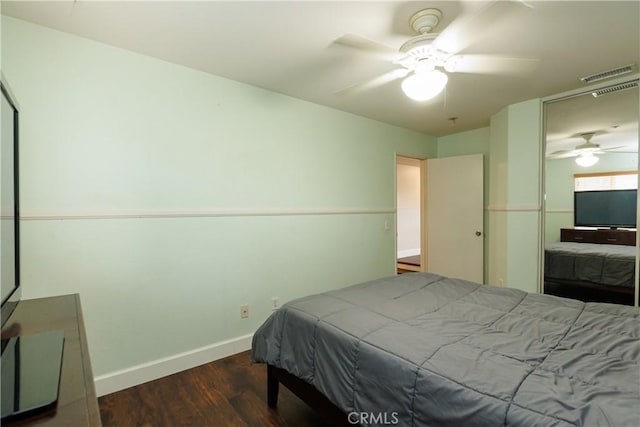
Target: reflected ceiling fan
425, 60
584, 153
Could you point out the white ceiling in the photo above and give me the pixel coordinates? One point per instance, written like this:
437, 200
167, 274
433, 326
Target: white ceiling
613, 120
289, 47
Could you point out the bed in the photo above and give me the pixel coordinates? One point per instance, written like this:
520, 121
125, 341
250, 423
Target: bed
600, 272
420, 349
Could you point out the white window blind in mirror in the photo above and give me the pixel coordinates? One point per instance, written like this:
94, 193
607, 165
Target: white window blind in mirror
606, 181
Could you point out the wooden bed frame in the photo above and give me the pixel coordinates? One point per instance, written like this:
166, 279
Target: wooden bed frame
306, 392
589, 292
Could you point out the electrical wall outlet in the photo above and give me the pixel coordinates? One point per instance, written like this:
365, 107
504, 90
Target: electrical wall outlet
244, 311
274, 303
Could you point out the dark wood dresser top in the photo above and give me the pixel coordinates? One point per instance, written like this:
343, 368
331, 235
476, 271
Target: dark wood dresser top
77, 402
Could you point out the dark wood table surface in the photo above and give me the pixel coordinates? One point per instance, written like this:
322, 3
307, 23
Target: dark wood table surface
77, 402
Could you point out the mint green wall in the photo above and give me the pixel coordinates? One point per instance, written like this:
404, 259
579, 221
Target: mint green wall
476, 141
514, 208
497, 199
559, 185
511, 149
129, 164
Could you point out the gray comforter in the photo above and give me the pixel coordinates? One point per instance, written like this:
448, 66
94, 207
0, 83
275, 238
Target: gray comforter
433, 351
612, 265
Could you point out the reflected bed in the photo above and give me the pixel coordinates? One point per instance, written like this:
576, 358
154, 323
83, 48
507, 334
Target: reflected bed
590, 271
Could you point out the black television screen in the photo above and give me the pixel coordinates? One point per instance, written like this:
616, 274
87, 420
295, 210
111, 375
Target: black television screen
30, 363
607, 208
9, 241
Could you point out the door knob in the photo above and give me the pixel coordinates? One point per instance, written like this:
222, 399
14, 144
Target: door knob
478, 233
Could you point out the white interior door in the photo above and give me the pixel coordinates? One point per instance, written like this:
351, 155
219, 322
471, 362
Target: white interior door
455, 232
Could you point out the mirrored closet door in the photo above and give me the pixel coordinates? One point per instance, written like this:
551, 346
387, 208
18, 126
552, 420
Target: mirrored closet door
590, 185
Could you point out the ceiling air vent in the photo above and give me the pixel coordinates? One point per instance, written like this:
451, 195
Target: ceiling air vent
607, 74
615, 88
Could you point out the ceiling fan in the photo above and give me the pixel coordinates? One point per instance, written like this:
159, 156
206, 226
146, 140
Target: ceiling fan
584, 153
426, 59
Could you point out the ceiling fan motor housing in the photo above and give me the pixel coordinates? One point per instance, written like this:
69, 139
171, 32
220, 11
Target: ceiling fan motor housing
425, 20
421, 53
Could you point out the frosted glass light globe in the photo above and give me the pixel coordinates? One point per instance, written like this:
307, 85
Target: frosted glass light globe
586, 160
424, 86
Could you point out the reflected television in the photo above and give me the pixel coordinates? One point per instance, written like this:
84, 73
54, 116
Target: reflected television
606, 208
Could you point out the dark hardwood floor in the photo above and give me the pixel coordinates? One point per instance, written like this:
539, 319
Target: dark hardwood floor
227, 392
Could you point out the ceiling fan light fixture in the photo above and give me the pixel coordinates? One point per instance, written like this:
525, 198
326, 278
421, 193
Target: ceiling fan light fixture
424, 86
586, 160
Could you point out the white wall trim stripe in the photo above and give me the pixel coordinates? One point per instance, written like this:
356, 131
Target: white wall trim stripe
120, 380
514, 208
34, 216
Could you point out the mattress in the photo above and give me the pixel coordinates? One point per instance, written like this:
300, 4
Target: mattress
610, 265
427, 350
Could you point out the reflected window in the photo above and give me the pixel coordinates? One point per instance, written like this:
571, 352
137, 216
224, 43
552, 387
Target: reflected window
606, 181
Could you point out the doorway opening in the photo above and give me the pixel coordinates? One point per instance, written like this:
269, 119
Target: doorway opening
409, 210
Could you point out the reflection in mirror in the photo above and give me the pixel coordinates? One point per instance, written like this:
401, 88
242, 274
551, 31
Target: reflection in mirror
591, 182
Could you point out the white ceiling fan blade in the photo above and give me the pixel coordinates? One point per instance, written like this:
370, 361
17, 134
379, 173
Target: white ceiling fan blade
473, 23
490, 64
526, 4
607, 149
374, 82
365, 45
562, 154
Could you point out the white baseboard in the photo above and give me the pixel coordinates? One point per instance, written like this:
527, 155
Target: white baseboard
119, 380
408, 252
